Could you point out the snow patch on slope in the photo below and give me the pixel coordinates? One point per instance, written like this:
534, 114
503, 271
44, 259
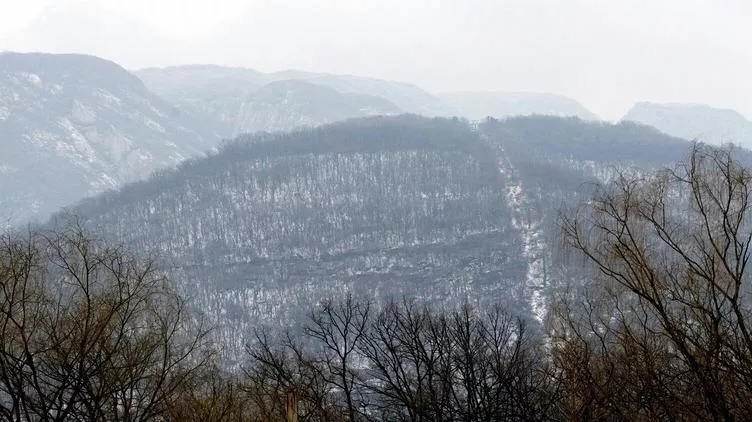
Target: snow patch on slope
524, 219
33, 79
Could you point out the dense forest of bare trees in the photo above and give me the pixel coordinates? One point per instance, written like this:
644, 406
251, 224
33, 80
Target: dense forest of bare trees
89, 332
662, 331
658, 329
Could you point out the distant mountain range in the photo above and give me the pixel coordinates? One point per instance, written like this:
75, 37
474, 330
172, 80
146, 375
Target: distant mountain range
695, 121
221, 93
76, 125
221, 99
479, 105
72, 126
240, 100
259, 229
284, 105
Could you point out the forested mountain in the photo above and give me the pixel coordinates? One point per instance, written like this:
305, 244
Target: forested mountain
701, 122
73, 125
561, 158
479, 105
381, 206
225, 96
384, 206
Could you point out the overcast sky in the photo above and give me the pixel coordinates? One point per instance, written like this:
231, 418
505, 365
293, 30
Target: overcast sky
607, 54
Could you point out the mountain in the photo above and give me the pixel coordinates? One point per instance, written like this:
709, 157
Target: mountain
236, 101
385, 205
179, 82
695, 121
222, 95
479, 105
282, 105
380, 206
408, 97
73, 126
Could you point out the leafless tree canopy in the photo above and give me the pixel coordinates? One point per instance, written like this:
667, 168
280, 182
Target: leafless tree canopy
88, 332
405, 362
663, 332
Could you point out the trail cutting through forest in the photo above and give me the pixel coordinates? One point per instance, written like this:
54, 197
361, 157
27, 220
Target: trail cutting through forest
527, 221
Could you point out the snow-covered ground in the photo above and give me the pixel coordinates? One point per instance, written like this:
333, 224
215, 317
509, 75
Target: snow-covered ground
525, 220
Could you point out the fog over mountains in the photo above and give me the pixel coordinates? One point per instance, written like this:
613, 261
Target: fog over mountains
294, 186
484, 46
76, 125
381, 206
479, 105
100, 126
375, 210
695, 121
244, 100
92, 28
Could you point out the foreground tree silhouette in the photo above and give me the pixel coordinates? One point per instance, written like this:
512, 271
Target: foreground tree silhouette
663, 332
463, 364
88, 332
402, 361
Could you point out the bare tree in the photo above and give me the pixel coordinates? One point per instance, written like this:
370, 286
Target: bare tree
88, 331
338, 327
463, 365
409, 360
212, 396
664, 331
279, 367
324, 373
499, 371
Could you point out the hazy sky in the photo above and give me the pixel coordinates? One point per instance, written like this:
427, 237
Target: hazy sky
605, 53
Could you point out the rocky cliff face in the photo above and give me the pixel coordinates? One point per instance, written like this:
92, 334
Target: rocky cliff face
72, 126
284, 105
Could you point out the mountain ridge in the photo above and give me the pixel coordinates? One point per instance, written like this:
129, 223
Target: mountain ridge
222, 92
696, 121
478, 105
75, 125
379, 206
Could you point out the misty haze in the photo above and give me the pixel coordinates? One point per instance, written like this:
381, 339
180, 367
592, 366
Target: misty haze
374, 211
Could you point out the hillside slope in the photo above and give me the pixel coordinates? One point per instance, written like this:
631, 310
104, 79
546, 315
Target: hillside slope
381, 206
284, 105
272, 223
72, 126
220, 94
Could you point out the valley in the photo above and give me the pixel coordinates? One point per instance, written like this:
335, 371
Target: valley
375, 211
